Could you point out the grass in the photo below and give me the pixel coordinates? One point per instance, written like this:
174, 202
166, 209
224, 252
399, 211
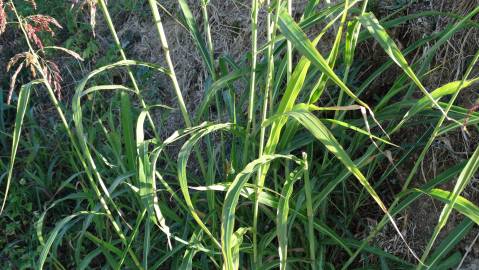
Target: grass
274, 169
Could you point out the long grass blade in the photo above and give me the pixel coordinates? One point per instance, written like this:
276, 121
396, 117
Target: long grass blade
231, 201
282, 216
183, 156
22, 106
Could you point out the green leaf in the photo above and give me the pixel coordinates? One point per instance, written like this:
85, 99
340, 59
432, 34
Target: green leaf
215, 87
424, 102
197, 38
59, 226
450, 241
21, 109
282, 216
237, 240
298, 38
462, 205
147, 179
231, 201
183, 160
387, 43
126, 117
455, 200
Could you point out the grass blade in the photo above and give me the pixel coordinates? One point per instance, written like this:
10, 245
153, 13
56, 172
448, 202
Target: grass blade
282, 216
126, 117
60, 225
195, 33
22, 106
320, 132
301, 42
231, 200
182, 178
387, 43
147, 180
447, 89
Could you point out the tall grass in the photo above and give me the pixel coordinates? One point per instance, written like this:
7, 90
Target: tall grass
283, 183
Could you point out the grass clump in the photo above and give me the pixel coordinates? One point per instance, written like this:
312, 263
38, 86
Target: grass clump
274, 168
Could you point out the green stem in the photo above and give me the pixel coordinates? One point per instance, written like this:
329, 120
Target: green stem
289, 47
166, 51
172, 75
309, 212
271, 35
113, 32
252, 82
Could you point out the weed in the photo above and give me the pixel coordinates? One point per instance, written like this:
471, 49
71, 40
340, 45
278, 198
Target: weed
283, 183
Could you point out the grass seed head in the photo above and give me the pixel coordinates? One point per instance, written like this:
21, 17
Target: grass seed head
54, 77
38, 23
31, 61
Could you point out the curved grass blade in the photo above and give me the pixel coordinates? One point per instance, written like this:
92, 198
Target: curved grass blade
231, 200
447, 89
48, 244
462, 205
84, 152
321, 132
195, 33
301, 42
215, 87
106, 87
182, 178
387, 43
282, 216
359, 130
77, 111
22, 106
147, 180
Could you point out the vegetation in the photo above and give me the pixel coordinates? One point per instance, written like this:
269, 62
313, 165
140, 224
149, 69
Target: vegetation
274, 168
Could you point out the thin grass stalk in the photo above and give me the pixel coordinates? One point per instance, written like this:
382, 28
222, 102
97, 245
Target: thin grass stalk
166, 51
309, 212
270, 36
332, 59
207, 30
252, 82
172, 74
337, 114
289, 47
113, 32
209, 43
67, 128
